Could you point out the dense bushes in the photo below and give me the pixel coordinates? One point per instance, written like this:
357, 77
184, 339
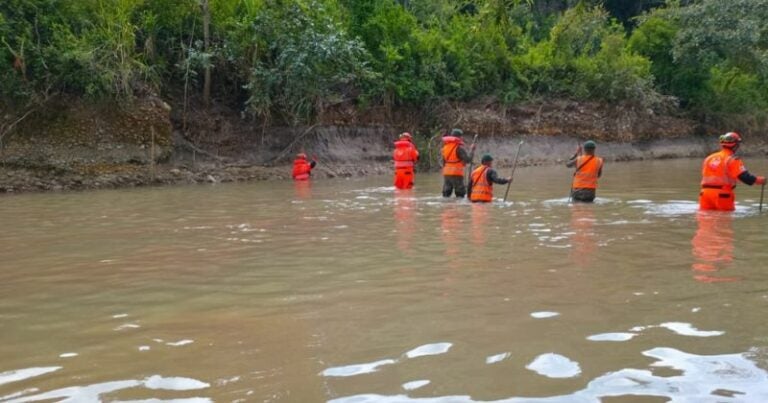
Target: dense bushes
286, 60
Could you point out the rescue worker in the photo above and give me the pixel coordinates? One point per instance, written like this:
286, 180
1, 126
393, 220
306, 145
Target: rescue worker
302, 168
719, 174
483, 179
405, 155
454, 158
589, 167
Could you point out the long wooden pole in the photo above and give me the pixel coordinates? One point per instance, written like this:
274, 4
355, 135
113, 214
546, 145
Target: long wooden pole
514, 166
471, 162
762, 192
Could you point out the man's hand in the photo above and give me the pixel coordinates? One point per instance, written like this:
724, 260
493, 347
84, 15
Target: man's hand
760, 180
509, 179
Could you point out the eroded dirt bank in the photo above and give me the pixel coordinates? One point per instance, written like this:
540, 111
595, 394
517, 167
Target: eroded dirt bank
74, 146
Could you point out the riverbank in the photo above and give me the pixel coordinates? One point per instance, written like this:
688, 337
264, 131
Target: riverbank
78, 147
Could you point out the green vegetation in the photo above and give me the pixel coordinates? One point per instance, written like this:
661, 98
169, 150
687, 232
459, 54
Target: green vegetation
285, 61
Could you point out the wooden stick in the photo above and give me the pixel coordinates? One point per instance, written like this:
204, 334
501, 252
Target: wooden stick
514, 166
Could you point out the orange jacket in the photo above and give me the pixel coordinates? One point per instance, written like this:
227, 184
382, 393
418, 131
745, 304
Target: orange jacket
301, 169
453, 166
405, 154
588, 169
721, 170
482, 189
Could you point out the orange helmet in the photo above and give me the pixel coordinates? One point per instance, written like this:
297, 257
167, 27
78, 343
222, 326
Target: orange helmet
730, 140
301, 156
406, 135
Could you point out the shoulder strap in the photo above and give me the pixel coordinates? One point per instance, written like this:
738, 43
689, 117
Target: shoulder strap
578, 168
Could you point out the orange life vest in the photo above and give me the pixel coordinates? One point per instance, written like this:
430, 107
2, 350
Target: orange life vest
587, 170
482, 189
405, 154
454, 166
715, 171
301, 169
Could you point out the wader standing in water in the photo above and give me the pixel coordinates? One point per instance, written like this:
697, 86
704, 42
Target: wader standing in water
589, 167
720, 173
483, 179
454, 158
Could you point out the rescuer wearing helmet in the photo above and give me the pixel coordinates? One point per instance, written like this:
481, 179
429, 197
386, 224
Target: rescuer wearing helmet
454, 158
483, 179
589, 167
302, 168
405, 156
719, 174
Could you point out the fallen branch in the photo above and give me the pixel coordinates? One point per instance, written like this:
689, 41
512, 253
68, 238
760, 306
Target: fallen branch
288, 149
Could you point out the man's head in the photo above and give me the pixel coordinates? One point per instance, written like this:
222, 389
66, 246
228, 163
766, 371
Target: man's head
589, 147
406, 136
730, 140
486, 160
301, 156
457, 133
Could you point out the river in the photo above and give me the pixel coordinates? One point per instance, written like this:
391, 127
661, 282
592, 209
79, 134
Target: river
344, 290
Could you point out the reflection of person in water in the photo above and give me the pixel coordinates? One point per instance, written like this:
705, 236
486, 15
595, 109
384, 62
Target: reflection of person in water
583, 240
404, 218
451, 228
712, 246
303, 189
479, 223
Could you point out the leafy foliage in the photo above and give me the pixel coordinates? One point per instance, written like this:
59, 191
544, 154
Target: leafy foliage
286, 61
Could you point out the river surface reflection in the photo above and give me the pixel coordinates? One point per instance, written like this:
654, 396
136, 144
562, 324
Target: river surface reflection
349, 291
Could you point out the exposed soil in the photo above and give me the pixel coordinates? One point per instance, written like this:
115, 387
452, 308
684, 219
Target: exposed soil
73, 145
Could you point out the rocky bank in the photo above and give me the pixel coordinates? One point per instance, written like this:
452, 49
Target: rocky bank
73, 145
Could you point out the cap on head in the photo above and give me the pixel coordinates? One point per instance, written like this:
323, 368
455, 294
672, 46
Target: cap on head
301, 156
730, 140
457, 132
486, 158
406, 135
589, 145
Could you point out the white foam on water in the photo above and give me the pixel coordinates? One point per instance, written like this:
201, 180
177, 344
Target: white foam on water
67, 355
92, 393
120, 315
174, 383
544, 314
127, 326
497, 358
144, 348
639, 201
413, 385
356, 369
19, 393
26, 373
671, 208
187, 400
686, 329
429, 349
681, 328
619, 336
696, 309
180, 343
702, 378
554, 365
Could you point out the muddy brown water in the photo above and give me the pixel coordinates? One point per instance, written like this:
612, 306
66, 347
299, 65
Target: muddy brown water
347, 291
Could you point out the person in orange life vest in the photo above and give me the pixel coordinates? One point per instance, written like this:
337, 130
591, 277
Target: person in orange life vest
719, 173
589, 167
405, 155
454, 158
483, 179
302, 168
